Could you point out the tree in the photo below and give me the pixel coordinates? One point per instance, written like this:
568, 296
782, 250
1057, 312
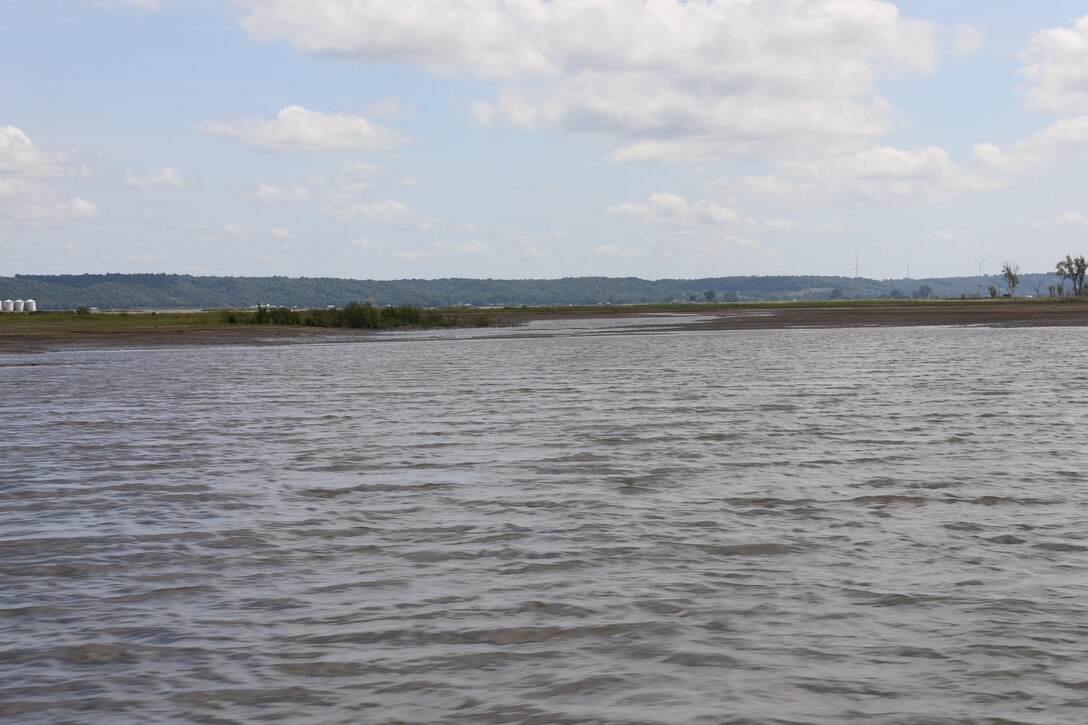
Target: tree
710, 295
1073, 269
923, 293
992, 289
1010, 272
837, 294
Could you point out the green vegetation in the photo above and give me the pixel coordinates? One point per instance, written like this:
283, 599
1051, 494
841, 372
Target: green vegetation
134, 291
1010, 272
354, 315
1072, 269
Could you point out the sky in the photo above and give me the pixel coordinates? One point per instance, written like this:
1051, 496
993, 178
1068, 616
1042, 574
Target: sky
391, 139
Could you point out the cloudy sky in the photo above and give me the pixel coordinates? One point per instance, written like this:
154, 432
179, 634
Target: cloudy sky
542, 138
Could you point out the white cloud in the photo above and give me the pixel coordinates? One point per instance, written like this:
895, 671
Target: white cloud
280, 232
366, 244
1056, 66
1074, 218
233, 230
945, 235
612, 250
667, 208
164, 178
410, 256
299, 129
20, 156
878, 174
679, 81
538, 254
390, 108
145, 257
1060, 138
968, 40
382, 211
275, 194
473, 246
46, 210
780, 225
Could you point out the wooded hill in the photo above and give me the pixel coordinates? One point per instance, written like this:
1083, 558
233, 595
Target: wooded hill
115, 291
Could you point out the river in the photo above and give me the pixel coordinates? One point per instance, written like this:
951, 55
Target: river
568, 522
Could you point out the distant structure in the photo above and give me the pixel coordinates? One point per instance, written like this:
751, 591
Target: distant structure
18, 306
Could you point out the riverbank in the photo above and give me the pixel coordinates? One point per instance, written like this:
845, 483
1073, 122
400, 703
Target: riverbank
36, 333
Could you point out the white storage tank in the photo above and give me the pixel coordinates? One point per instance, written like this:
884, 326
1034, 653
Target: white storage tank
7, 306
18, 306
30, 306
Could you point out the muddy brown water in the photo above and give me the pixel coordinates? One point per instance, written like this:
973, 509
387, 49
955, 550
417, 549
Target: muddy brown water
550, 524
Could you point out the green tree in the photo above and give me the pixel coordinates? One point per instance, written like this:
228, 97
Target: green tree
993, 290
1010, 272
1073, 269
837, 294
923, 293
710, 295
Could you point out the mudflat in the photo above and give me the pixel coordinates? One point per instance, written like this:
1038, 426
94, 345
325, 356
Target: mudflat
23, 337
769, 317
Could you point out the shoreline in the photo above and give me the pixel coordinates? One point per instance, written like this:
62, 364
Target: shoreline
953, 313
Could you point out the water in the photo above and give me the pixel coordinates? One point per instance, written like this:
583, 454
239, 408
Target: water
547, 525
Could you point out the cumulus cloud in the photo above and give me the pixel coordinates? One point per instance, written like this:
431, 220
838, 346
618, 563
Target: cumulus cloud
677, 80
667, 208
45, 208
20, 156
24, 196
1074, 218
276, 194
299, 129
164, 178
280, 232
1056, 66
968, 40
876, 175
1060, 137
31, 201
410, 256
613, 250
473, 246
380, 211
366, 244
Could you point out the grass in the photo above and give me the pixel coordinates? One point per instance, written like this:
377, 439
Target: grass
76, 322
370, 317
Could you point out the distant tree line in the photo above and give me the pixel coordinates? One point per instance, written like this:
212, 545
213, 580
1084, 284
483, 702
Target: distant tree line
173, 291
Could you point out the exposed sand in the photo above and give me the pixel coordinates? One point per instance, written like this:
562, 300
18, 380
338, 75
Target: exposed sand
1028, 314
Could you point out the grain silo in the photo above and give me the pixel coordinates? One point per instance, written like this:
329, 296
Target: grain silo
7, 306
30, 306
18, 307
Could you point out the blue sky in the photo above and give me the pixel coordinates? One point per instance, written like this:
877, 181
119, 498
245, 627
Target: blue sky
521, 138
